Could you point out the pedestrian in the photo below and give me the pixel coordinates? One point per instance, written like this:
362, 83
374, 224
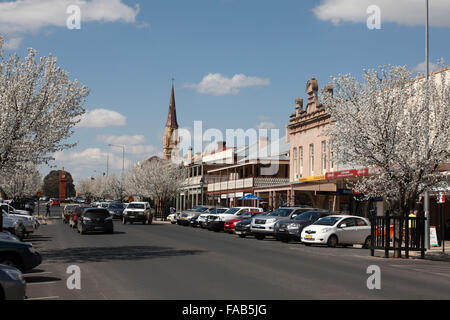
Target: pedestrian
48, 210
412, 227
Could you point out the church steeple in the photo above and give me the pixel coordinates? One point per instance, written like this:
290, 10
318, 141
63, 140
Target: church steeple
172, 118
171, 139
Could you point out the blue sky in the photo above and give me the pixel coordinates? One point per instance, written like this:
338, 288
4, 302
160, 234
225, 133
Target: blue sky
128, 62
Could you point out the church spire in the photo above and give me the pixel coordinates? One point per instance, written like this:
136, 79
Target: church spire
172, 117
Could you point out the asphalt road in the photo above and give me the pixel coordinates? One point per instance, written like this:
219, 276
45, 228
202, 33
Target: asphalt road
164, 261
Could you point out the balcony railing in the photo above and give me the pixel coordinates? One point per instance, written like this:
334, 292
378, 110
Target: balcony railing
245, 183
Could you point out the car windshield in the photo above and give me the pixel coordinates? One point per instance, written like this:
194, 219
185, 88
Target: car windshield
308, 216
232, 211
282, 212
97, 214
116, 205
136, 206
327, 221
218, 210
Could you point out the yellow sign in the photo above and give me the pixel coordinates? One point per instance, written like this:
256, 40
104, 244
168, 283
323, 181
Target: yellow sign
39, 194
312, 178
130, 199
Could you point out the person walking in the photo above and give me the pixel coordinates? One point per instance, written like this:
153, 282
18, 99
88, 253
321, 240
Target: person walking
412, 227
47, 214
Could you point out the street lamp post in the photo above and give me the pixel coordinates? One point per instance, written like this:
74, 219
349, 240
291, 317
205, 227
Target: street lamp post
123, 155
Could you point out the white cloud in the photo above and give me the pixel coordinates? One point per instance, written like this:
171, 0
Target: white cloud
31, 16
266, 125
12, 43
91, 158
140, 151
125, 140
218, 85
102, 118
422, 67
404, 12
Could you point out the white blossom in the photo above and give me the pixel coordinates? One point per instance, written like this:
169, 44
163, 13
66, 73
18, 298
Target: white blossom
382, 123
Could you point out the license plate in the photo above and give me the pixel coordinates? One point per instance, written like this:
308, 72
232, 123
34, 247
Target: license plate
308, 237
132, 217
238, 232
282, 230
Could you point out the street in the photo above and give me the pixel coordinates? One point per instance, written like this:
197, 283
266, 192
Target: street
164, 261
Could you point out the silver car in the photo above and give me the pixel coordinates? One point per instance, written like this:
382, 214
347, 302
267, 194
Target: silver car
12, 284
264, 226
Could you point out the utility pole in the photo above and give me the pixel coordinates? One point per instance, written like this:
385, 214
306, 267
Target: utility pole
427, 110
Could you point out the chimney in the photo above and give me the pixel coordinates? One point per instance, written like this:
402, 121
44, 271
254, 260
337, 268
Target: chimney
299, 106
263, 142
221, 146
329, 89
190, 156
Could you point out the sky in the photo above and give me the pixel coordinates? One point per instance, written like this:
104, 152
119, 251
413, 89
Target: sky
236, 63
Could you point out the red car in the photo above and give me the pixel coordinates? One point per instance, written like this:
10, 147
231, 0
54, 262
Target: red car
55, 202
230, 224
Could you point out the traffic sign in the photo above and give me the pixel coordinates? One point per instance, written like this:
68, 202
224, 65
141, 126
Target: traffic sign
441, 198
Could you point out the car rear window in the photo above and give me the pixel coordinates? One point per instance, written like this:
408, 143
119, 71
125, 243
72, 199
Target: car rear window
99, 214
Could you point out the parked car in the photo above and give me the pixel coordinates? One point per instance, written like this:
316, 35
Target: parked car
217, 222
67, 212
230, 225
184, 217
6, 235
172, 218
24, 225
203, 218
115, 209
338, 230
264, 226
95, 220
55, 202
12, 284
14, 226
287, 230
23, 215
19, 255
242, 228
194, 222
138, 212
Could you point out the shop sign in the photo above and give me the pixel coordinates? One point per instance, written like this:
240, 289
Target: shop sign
347, 174
319, 177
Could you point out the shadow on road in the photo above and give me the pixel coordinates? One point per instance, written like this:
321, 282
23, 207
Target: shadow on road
104, 254
41, 279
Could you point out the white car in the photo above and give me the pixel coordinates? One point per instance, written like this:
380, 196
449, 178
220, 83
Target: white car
338, 230
172, 218
138, 212
22, 214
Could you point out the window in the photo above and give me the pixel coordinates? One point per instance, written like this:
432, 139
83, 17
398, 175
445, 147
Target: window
295, 163
349, 222
324, 157
300, 151
360, 223
311, 159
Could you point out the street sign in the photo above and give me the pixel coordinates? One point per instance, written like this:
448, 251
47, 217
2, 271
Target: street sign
433, 237
130, 199
39, 194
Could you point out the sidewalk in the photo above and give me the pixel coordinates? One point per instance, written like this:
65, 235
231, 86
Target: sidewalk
435, 253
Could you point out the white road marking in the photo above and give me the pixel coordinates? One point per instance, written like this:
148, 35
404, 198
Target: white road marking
44, 298
36, 283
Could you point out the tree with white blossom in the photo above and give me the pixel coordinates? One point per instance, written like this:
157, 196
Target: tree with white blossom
383, 123
39, 106
157, 179
108, 187
22, 182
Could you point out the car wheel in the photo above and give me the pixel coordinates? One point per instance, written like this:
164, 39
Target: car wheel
332, 241
11, 261
368, 243
260, 236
